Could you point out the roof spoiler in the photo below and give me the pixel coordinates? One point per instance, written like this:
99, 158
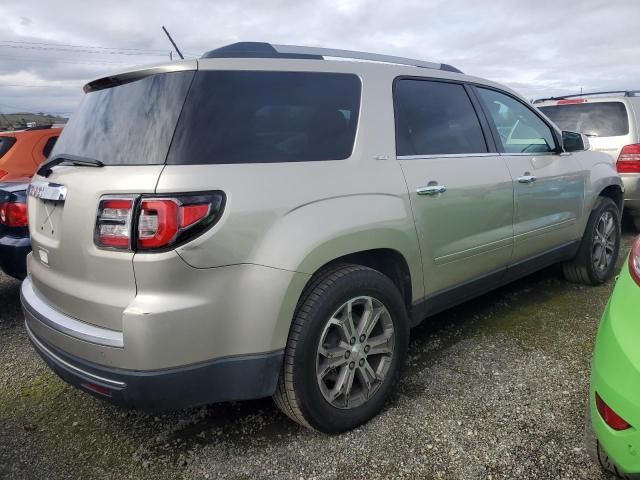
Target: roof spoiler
625, 93
133, 75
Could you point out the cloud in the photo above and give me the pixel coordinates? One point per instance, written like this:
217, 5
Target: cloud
539, 48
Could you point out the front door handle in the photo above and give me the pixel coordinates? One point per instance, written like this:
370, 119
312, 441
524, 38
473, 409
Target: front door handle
431, 190
527, 178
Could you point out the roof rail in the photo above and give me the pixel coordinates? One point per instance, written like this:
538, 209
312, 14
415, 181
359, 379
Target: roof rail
268, 50
39, 127
626, 93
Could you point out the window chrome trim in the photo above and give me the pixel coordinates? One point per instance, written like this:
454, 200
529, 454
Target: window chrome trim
531, 154
35, 308
447, 155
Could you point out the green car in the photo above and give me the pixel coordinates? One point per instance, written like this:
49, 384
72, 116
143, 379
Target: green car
615, 379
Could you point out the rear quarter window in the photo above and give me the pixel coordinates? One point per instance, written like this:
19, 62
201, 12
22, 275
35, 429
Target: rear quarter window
5, 144
263, 117
600, 119
46, 151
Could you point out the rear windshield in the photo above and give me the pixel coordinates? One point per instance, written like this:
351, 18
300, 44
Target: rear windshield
258, 117
130, 124
601, 119
5, 144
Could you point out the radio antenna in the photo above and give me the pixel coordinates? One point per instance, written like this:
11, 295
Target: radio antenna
172, 42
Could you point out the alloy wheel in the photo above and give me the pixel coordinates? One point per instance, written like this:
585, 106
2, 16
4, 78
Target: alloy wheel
355, 352
604, 241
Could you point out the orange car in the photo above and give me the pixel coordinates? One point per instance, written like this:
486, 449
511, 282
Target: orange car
22, 151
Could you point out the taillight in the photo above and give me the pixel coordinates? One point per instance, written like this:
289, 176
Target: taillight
629, 159
13, 214
610, 417
3, 173
154, 222
634, 261
571, 102
158, 224
113, 226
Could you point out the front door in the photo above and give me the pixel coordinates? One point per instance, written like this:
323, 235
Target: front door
549, 185
461, 191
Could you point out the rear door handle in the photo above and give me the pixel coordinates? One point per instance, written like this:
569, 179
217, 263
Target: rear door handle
431, 190
527, 178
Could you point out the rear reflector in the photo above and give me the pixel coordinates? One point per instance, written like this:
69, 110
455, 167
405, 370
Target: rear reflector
610, 417
571, 102
100, 390
629, 159
113, 225
634, 261
13, 214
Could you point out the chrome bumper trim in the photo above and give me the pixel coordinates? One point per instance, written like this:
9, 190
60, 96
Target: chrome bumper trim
35, 308
73, 368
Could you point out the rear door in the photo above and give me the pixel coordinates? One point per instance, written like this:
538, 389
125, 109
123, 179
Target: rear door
460, 189
549, 185
127, 125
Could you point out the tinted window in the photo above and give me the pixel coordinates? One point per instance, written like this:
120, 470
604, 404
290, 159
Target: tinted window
257, 117
602, 119
5, 144
130, 124
435, 118
46, 151
520, 130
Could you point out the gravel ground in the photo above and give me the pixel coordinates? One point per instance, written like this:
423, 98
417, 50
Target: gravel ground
495, 388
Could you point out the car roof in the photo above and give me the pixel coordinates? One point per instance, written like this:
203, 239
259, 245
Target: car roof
251, 56
31, 132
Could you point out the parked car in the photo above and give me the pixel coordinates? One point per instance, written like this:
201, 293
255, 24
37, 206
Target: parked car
21, 152
615, 390
270, 222
15, 243
612, 122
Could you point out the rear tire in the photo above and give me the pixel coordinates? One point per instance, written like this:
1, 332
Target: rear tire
636, 222
347, 345
607, 465
598, 252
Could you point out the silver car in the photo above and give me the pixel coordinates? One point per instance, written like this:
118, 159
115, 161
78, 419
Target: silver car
267, 221
611, 120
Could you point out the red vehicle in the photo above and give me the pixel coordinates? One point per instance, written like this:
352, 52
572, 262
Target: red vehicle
21, 152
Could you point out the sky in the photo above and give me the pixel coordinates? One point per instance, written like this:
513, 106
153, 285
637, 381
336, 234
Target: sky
49, 49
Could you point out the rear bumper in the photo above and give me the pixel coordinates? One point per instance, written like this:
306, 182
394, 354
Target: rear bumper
173, 352
226, 379
616, 375
631, 183
13, 256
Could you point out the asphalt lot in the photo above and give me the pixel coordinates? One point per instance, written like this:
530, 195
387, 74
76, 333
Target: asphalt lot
495, 388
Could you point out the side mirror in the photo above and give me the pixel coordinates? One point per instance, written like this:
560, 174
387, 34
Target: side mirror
574, 142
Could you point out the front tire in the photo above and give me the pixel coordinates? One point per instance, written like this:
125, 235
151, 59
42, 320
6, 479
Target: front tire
347, 344
598, 252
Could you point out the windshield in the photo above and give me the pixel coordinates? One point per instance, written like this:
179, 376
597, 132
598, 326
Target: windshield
601, 119
130, 124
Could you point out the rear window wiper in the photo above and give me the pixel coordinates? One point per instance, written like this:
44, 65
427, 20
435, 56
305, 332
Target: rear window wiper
47, 167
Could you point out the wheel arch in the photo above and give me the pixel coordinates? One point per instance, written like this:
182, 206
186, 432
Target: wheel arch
614, 192
387, 261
